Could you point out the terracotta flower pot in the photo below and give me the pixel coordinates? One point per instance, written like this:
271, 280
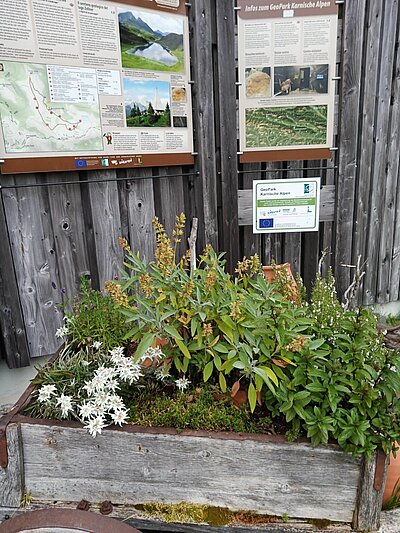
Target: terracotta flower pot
393, 475
271, 273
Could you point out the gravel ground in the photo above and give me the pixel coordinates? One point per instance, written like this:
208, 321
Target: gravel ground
390, 521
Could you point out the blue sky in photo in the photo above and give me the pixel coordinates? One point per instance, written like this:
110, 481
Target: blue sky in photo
163, 23
144, 91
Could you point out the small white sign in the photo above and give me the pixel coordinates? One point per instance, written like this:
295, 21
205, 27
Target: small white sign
286, 206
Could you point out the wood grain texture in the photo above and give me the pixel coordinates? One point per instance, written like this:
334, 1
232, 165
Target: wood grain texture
138, 519
141, 212
12, 330
202, 23
32, 240
367, 514
392, 210
70, 247
67, 464
367, 134
352, 68
376, 231
251, 241
11, 478
105, 221
228, 219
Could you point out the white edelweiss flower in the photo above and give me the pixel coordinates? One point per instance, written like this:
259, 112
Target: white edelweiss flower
61, 332
97, 345
90, 388
95, 425
120, 417
65, 402
105, 374
182, 383
161, 374
116, 355
130, 373
102, 400
116, 403
45, 392
152, 353
87, 410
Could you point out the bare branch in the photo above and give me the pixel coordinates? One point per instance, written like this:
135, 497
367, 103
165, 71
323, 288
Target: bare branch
192, 245
351, 292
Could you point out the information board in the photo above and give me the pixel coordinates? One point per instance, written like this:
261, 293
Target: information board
94, 84
287, 62
286, 206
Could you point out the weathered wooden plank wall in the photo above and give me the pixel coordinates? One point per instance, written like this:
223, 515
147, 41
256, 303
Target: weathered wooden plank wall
68, 224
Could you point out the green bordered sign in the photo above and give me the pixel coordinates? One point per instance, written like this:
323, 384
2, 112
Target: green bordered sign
283, 206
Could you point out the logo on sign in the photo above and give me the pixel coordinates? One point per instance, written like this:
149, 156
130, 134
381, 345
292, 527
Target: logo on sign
80, 163
308, 188
266, 223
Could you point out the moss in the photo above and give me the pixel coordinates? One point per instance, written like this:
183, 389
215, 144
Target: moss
204, 410
320, 523
201, 514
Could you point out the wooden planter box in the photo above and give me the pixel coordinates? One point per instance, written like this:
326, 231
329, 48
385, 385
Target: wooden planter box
52, 460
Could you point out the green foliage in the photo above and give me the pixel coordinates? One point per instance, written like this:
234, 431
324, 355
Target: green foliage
94, 318
194, 410
344, 382
324, 370
393, 502
218, 328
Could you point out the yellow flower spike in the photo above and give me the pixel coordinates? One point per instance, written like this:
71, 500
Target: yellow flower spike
116, 293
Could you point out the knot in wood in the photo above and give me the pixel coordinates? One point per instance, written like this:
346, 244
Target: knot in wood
51, 441
205, 453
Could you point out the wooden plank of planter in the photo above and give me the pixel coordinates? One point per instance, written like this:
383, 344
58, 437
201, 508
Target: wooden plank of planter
11, 478
242, 473
245, 205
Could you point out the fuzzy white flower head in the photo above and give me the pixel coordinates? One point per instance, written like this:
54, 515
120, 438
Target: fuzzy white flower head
161, 373
120, 417
130, 373
116, 403
117, 355
45, 392
65, 402
182, 383
96, 345
62, 332
95, 425
154, 354
90, 388
87, 410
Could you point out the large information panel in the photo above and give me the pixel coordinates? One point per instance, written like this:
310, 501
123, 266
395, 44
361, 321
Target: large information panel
94, 84
287, 61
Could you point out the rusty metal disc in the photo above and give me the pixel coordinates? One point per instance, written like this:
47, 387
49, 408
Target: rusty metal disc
66, 521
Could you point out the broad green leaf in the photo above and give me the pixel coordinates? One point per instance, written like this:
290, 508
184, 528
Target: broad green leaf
222, 382
144, 344
271, 374
172, 331
183, 348
208, 369
314, 345
252, 396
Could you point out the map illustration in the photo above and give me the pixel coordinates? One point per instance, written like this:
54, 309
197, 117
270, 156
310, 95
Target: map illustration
35, 118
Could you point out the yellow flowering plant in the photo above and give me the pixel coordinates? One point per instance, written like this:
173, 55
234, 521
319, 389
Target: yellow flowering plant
228, 330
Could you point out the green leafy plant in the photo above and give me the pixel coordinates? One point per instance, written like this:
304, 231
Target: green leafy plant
166, 330
94, 319
344, 382
217, 328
